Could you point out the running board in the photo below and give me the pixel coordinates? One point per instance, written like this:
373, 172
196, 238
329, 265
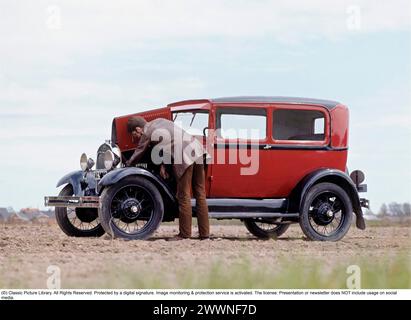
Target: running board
236, 208
237, 205
245, 215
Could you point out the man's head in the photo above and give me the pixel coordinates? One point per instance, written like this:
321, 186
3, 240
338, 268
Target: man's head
135, 126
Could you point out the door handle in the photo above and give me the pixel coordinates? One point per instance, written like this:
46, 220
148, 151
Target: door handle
266, 147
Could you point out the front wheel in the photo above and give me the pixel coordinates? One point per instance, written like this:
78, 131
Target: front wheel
326, 213
132, 208
266, 228
78, 222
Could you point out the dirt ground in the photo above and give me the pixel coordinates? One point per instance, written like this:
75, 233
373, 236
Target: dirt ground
27, 250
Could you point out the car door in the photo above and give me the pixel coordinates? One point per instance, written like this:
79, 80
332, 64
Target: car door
239, 157
195, 122
300, 137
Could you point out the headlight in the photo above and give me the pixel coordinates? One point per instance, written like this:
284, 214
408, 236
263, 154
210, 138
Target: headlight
108, 159
116, 151
117, 156
83, 162
86, 164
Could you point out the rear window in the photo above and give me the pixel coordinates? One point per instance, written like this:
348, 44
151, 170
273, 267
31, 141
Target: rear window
298, 125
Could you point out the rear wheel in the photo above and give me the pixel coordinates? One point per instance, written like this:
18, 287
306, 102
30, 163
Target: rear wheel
326, 214
266, 228
132, 208
78, 222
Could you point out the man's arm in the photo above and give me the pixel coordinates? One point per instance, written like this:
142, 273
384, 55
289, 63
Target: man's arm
142, 146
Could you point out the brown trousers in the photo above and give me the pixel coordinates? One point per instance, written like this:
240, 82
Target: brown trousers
193, 177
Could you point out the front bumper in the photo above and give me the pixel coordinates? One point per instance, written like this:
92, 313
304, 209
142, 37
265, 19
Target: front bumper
73, 202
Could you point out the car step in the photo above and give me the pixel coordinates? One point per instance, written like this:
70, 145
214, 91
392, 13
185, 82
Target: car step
244, 215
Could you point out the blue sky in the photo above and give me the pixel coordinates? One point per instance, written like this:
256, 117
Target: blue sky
66, 69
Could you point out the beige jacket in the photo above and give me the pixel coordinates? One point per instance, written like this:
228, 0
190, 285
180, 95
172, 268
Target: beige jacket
178, 147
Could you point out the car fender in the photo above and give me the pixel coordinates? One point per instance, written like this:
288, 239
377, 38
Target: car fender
74, 178
328, 175
117, 174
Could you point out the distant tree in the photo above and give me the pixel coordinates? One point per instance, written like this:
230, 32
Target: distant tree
395, 209
406, 209
383, 210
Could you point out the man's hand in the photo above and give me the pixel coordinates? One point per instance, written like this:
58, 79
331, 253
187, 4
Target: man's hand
163, 172
128, 163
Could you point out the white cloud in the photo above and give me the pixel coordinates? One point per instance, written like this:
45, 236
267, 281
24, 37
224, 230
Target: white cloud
392, 120
391, 109
30, 49
95, 26
74, 97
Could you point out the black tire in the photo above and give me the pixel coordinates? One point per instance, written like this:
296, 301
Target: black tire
82, 214
325, 205
117, 202
272, 231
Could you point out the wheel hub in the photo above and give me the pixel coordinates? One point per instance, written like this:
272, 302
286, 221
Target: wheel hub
324, 214
131, 209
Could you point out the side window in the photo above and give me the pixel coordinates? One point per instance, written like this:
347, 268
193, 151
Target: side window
242, 123
298, 125
192, 122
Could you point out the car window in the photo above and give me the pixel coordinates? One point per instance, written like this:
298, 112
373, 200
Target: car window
242, 123
319, 125
298, 125
192, 122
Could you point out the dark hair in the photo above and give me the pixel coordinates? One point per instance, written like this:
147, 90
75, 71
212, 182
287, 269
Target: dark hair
135, 121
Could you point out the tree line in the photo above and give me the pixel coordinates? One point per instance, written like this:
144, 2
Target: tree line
395, 209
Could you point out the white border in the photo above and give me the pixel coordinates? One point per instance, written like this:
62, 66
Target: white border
206, 294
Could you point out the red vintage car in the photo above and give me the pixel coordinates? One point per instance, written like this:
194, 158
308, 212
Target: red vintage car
274, 161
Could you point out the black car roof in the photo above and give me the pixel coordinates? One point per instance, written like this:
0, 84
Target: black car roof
275, 99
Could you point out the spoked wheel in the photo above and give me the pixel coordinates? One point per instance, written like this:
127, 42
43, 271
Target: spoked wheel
266, 228
326, 213
131, 209
78, 222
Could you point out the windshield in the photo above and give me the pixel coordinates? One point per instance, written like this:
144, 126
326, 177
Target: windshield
193, 122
